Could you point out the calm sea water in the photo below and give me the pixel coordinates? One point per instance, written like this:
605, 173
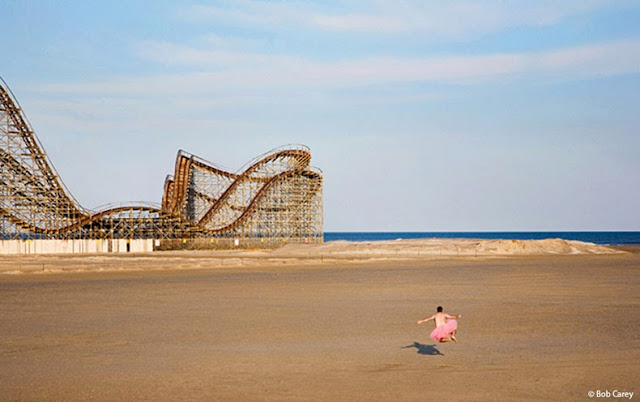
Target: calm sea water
604, 238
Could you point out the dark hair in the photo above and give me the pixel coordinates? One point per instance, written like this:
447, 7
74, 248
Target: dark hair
439, 309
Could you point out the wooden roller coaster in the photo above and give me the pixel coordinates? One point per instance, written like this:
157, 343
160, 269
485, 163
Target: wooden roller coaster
276, 197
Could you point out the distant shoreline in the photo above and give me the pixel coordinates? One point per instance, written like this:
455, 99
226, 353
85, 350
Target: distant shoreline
605, 238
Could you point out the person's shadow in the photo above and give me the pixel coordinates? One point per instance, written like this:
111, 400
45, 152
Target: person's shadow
425, 349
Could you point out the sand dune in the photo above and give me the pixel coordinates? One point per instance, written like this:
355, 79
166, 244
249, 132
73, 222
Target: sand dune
299, 254
449, 247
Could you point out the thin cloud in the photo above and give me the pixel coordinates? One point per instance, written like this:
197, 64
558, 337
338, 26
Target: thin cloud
442, 20
224, 73
359, 23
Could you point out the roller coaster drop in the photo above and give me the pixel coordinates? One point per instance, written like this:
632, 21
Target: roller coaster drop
278, 197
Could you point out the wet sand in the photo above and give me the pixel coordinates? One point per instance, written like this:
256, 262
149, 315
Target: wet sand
533, 327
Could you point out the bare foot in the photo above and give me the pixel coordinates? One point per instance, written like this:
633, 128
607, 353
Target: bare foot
453, 338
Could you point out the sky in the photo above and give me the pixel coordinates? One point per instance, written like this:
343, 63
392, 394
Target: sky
423, 115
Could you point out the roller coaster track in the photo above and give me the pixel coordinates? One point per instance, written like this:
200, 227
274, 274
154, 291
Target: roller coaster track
273, 182
273, 169
299, 156
28, 174
97, 216
275, 194
33, 147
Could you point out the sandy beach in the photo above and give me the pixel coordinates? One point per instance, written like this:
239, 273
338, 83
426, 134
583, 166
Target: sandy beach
321, 323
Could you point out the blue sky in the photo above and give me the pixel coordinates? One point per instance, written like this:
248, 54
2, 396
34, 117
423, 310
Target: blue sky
423, 115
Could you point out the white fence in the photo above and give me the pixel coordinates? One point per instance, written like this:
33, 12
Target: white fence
40, 246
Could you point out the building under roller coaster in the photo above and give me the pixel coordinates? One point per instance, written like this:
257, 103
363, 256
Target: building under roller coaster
276, 198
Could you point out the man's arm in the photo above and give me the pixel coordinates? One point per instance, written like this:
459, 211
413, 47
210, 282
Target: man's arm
427, 319
450, 317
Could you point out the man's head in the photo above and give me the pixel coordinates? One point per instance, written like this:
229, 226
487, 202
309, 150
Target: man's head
439, 309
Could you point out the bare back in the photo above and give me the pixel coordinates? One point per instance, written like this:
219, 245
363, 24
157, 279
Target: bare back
442, 318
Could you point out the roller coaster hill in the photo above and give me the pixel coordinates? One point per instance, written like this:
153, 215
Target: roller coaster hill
276, 198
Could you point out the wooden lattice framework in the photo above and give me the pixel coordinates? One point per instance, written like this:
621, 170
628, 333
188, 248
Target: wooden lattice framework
275, 197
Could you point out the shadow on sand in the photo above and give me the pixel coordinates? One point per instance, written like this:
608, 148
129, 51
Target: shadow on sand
425, 349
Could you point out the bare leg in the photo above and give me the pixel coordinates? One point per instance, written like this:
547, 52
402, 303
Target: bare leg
445, 340
453, 337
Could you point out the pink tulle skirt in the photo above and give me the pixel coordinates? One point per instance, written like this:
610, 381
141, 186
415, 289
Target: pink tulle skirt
444, 331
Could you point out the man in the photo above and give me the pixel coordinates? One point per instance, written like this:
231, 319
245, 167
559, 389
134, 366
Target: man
446, 326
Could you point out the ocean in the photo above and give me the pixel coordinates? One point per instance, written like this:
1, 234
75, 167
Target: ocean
602, 238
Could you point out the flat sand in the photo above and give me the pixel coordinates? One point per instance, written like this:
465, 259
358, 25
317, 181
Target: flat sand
185, 326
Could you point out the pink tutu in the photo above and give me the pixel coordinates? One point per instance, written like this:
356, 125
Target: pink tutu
444, 331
